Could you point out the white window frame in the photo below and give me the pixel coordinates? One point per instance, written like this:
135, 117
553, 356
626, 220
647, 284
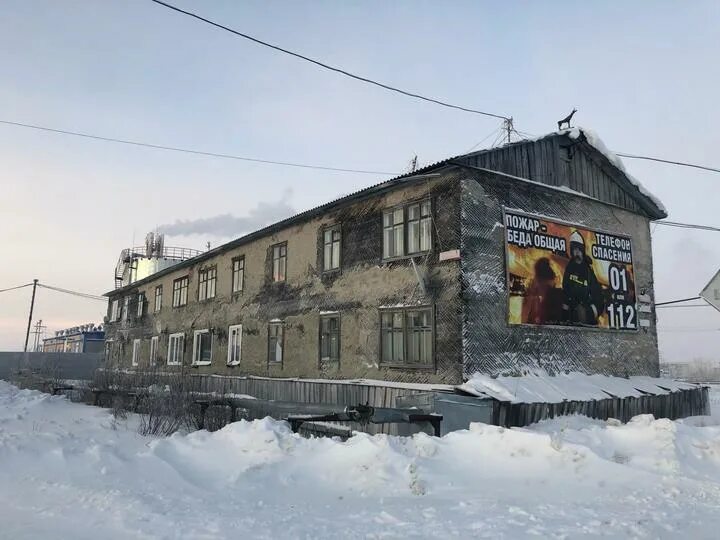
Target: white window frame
154, 344
196, 343
136, 352
115, 310
140, 304
236, 330
126, 309
109, 343
173, 352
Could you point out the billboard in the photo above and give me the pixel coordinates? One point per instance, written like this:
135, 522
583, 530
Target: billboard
560, 274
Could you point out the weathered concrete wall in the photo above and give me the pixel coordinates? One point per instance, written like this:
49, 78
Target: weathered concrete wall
491, 346
61, 365
363, 285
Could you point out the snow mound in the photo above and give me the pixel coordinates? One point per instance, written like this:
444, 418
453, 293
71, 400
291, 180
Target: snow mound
70, 471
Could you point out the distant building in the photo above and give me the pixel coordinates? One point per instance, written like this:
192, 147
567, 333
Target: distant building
535, 256
88, 338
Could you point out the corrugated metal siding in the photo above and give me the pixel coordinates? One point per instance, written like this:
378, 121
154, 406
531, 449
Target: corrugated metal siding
542, 161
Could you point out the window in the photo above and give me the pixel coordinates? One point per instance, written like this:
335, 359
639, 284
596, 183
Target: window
238, 274
140, 304
407, 230
158, 298
154, 350
126, 309
180, 288
206, 283
234, 345
407, 336
419, 222
276, 338
279, 262
330, 338
108, 347
202, 348
331, 248
176, 349
135, 352
115, 310
393, 233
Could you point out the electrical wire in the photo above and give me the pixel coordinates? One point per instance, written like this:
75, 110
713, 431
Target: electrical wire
677, 301
484, 139
327, 66
688, 226
14, 288
74, 293
190, 151
671, 162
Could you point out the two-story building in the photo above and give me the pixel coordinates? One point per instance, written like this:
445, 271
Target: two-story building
535, 256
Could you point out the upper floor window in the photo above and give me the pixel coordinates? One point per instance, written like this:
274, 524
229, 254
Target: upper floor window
280, 262
331, 248
207, 280
115, 310
407, 336
126, 309
158, 298
238, 274
407, 230
180, 290
140, 304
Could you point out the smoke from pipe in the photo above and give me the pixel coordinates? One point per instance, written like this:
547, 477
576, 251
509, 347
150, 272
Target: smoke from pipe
228, 225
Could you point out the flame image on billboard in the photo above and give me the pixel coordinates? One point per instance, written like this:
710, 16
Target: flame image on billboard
560, 274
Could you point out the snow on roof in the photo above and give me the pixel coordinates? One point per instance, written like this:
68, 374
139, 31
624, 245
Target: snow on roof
568, 387
597, 143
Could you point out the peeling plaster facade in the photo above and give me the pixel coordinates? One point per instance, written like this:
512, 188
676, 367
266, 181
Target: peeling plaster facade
466, 295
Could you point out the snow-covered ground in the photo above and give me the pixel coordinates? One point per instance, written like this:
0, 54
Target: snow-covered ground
69, 471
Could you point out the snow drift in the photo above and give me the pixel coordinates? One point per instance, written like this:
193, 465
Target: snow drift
69, 470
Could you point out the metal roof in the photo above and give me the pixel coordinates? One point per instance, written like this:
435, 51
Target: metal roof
455, 161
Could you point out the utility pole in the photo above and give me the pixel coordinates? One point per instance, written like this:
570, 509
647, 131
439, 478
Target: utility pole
508, 128
32, 305
38, 332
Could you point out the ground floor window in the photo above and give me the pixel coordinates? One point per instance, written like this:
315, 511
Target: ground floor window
276, 342
136, 351
330, 338
407, 336
154, 350
202, 348
176, 349
109, 350
234, 344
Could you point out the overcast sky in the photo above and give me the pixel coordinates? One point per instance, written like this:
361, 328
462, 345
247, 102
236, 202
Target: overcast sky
644, 75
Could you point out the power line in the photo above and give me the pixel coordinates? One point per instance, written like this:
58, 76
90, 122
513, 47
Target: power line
688, 226
671, 162
327, 66
74, 293
14, 288
187, 150
685, 306
677, 301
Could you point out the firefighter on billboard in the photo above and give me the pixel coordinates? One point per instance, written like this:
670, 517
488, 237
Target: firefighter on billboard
583, 294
